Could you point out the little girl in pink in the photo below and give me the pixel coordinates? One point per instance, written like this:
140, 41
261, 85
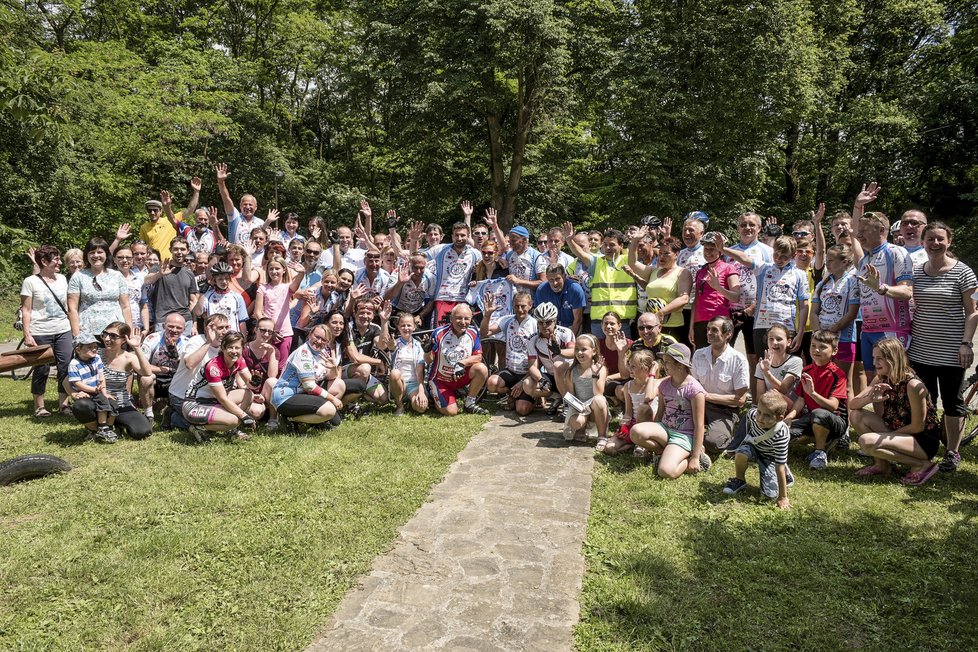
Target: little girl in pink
273, 299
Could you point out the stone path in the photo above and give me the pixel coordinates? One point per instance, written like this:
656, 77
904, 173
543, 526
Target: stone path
492, 562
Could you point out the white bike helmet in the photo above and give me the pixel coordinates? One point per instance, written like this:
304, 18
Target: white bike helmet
545, 311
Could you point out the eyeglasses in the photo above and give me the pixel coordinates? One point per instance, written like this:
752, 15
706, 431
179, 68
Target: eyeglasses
111, 336
488, 251
265, 331
481, 234
801, 234
646, 327
911, 223
123, 257
312, 252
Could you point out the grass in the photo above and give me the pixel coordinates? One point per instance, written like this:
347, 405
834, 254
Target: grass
9, 302
855, 565
159, 545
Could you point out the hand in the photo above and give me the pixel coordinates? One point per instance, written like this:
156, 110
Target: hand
135, 338
966, 355
819, 214
392, 219
771, 220
29, 340
783, 503
296, 267
881, 392
517, 390
713, 279
719, 241
666, 227
166, 267
122, 233
692, 339
596, 364
466, 207
807, 384
195, 184
640, 233
513, 278
872, 278
554, 347
358, 291
620, 342
272, 216
458, 370
365, 209
212, 218
868, 193
568, 230
422, 401
257, 398
361, 232
166, 198
31, 253
490, 218
693, 463
403, 274
79, 395
628, 270
266, 349
796, 342
386, 309
489, 303
765, 364
222, 172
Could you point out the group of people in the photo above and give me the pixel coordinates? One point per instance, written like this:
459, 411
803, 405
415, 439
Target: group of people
219, 324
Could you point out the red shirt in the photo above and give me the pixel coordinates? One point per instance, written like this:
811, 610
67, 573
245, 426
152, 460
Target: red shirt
828, 381
610, 355
711, 303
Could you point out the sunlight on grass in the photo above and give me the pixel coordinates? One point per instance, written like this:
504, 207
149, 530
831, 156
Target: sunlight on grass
161, 545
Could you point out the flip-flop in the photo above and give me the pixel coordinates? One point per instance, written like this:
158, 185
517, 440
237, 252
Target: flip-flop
920, 477
42, 413
872, 469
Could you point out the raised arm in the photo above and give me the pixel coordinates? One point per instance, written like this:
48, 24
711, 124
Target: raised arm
167, 200
195, 185
579, 252
121, 235
493, 224
222, 187
817, 217
643, 271
368, 219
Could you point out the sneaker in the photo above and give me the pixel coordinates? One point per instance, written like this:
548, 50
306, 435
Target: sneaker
475, 408
354, 410
601, 445
843, 442
951, 461
705, 462
733, 486
200, 434
639, 452
165, 417
272, 425
818, 460
104, 435
399, 412
149, 413
237, 435
917, 478
555, 406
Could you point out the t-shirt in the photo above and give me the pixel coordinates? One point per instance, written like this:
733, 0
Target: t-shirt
196, 243
610, 355
678, 411
158, 235
453, 270
528, 265
97, 308
829, 381
791, 366
352, 259
47, 317
406, 358
300, 366
666, 287
773, 449
172, 293
938, 318
540, 348
275, 306
381, 283
86, 372
569, 299
230, 304
759, 253
691, 258
884, 313
135, 285
239, 229
711, 303
918, 255
502, 292
214, 372
184, 374
778, 292
449, 348
835, 296
412, 296
517, 336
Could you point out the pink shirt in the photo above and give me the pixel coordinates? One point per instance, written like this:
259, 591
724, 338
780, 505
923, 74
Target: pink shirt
709, 302
276, 304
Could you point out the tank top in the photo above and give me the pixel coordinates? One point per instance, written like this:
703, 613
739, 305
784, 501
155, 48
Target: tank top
583, 385
666, 288
117, 385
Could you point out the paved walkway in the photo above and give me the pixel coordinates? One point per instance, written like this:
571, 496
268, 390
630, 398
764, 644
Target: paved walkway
492, 562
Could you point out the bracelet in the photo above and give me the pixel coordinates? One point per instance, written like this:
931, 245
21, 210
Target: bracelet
882, 289
967, 344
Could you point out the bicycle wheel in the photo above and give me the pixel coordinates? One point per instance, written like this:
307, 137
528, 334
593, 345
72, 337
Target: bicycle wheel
23, 372
971, 404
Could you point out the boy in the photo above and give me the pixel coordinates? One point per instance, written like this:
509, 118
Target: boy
86, 378
767, 444
819, 413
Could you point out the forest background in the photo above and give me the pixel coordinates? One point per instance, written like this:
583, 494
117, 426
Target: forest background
597, 111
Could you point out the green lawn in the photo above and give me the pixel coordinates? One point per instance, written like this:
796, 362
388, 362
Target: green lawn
9, 302
855, 565
159, 545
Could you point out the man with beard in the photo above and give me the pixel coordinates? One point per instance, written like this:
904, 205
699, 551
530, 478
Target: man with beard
175, 286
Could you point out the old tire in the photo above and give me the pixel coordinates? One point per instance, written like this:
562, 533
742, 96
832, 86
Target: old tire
28, 467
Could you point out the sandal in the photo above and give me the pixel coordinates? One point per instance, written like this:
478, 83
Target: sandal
917, 478
872, 469
42, 413
602, 443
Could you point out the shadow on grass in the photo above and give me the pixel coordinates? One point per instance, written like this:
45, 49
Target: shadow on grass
799, 580
67, 438
21, 408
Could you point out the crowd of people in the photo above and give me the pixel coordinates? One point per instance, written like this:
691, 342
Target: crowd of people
214, 325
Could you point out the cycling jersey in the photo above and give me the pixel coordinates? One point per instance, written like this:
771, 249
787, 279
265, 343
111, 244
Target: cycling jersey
215, 372
883, 313
453, 270
406, 358
540, 348
759, 253
300, 366
517, 336
448, 348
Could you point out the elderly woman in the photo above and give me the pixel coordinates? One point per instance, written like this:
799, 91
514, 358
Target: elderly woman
942, 331
97, 295
903, 425
43, 296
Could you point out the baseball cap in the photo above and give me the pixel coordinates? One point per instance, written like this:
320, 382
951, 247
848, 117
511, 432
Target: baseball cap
84, 338
521, 231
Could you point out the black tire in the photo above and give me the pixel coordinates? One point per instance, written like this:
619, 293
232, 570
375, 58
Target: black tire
23, 372
28, 467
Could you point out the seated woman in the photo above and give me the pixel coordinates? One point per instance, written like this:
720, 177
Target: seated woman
123, 358
262, 358
677, 431
217, 399
903, 426
611, 327
297, 395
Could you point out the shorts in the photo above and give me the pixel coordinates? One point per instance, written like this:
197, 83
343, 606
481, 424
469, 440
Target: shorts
611, 386
681, 439
444, 390
847, 352
930, 441
759, 336
767, 469
411, 388
867, 340
510, 378
199, 413
161, 386
836, 425
946, 382
300, 405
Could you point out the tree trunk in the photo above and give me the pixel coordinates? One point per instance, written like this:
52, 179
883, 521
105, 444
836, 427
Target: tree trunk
792, 186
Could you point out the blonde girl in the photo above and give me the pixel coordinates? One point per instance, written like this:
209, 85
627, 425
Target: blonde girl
640, 401
272, 300
778, 369
587, 378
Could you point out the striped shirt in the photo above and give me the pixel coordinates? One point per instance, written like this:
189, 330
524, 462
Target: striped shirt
86, 372
774, 449
938, 319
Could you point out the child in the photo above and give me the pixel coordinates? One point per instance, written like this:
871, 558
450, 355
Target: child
778, 369
835, 303
640, 401
273, 297
587, 378
819, 413
86, 378
407, 366
767, 444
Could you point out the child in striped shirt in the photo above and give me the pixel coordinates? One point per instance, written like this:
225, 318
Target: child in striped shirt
86, 378
767, 444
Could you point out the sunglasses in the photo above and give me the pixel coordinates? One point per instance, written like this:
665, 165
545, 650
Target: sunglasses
488, 251
95, 284
911, 223
111, 336
265, 331
801, 234
645, 327
313, 252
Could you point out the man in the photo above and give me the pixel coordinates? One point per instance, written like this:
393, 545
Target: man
742, 310
550, 351
139, 252
197, 352
362, 345
650, 338
220, 299
692, 259
374, 278
526, 268
480, 232
158, 233
594, 241
723, 373
912, 225
198, 236
163, 350
565, 293
455, 361
516, 331
453, 267
415, 288
612, 288
350, 257
554, 252
175, 286
240, 222
579, 271
886, 287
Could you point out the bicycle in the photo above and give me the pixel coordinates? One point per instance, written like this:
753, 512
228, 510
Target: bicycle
22, 373
971, 405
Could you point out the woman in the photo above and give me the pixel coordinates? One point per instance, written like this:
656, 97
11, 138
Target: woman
608, 348
123, 263
297, 395
245, 279
903, 425
942, 330
716, 287
123, 358
215, 401
489, 267
668, 282
261, 356
42, 300
315, 308
74, 260
97, 295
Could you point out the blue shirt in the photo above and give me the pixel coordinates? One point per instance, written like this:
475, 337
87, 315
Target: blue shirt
571, 297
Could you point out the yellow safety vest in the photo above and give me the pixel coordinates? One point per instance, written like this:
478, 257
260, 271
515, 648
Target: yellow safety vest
613, 289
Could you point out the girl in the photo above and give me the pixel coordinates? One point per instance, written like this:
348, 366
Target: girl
272, 300
778, 369
903, 426
213, 404
244, 280
297, 395
677, 431
835, 305
611, 327
587, 377
407, 366
262, 359
640, 401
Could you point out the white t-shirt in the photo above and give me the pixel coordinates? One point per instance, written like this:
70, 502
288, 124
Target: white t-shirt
452, 270
352, 259
183, 376
47, 317
517, 336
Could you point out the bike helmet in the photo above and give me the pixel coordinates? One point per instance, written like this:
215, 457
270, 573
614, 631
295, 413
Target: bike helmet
656, 304
545, 312
221, 267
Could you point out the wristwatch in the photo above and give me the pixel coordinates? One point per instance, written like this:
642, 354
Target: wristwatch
967, 344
